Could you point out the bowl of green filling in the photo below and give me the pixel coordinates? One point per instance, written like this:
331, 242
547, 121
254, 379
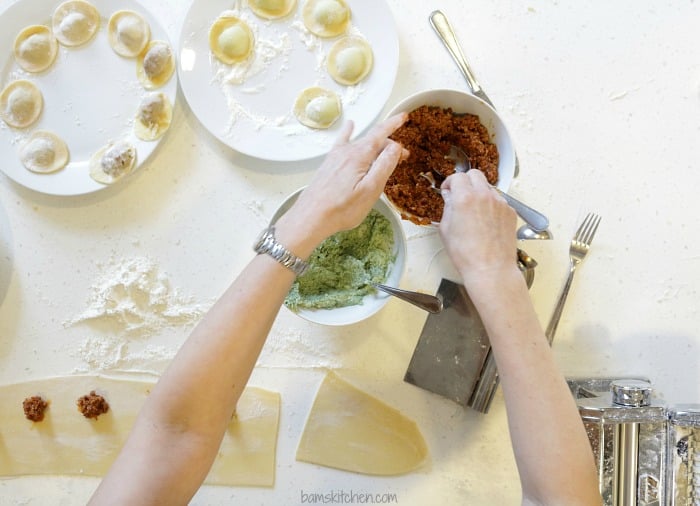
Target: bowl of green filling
337, 288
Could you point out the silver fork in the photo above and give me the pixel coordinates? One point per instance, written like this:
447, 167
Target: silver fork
580, 244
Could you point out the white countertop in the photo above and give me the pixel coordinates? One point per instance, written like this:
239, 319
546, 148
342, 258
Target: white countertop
603, 103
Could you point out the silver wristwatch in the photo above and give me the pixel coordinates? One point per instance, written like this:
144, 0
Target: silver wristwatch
267, 244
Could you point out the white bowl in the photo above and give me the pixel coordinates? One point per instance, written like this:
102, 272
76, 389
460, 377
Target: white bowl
463, 102
370, 303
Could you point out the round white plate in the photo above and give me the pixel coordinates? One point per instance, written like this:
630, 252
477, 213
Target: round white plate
90, 97
255, 117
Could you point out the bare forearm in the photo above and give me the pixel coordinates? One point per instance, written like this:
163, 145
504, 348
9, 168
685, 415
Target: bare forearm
549, 441
189, 408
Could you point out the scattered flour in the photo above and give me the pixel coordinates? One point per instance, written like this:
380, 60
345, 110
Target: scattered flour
110, 354
136, 299
288, 348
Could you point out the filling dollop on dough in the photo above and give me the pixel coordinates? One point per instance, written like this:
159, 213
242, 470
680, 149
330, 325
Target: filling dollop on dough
35, 48
129, 33
156, 64
153, 117
349, 60
75, 22
326, 18
44, 152
21, 104
271, 9
231, 39
112, 162
317, 107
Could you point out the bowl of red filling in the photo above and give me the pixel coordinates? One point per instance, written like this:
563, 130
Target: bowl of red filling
438, 119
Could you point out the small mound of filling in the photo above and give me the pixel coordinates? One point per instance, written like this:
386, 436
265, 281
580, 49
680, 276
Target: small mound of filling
92, 405
117, 159
34, 408
157, 60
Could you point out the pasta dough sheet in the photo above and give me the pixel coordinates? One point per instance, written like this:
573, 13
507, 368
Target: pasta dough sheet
349, 429
67, 443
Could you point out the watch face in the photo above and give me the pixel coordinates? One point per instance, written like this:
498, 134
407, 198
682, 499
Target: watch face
261, 239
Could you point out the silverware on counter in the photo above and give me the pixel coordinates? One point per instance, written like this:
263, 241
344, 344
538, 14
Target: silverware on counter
425, 301
447, 35
527, 234
580, 244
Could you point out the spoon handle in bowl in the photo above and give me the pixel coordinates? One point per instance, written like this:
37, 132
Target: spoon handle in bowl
425, 301
444, 30
442, 27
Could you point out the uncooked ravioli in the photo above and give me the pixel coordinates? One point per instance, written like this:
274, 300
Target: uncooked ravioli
35, 48
349, 429
271, 9
112, 162
231, 39
128, 33
156, 64
75, 22
317, 107
153, 117
326, 18
350, 60
44, 152
21, 103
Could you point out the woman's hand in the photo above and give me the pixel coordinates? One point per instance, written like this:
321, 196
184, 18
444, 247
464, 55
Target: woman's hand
348, 182
477, 227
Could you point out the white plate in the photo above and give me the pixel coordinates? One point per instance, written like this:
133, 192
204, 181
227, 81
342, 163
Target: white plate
255, 118
90, 97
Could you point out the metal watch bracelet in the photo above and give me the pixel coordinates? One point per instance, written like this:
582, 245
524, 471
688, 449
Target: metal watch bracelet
267, 244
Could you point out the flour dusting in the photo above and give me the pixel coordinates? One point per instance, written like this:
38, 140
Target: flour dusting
113, 354
296, 349
137, 299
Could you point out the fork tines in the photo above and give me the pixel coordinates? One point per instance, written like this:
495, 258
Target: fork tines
588, 228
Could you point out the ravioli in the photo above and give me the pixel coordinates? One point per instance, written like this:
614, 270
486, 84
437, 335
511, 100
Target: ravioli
271, 9
75, 22
153, 117
317, 107
155, 65
35, 48
21, 103
231, 39
44, 152
112, 162
349, 60
326, 18
128, 33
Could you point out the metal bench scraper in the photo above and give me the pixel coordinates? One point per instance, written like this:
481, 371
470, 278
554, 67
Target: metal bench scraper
453, 352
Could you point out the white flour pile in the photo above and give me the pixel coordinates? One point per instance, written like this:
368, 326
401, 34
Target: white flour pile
136, 299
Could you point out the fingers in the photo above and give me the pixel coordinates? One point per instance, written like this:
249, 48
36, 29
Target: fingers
345, 133
377, 136
384, 164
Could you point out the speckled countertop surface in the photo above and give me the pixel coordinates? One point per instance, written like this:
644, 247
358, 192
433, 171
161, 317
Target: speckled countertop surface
603, 103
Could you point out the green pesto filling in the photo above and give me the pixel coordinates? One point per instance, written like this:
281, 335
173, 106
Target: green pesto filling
342, 267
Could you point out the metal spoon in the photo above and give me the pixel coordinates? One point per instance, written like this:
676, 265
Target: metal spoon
527, 233
535, 219
444, 30
425, 301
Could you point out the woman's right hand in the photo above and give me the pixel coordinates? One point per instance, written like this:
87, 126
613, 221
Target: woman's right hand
477, 227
